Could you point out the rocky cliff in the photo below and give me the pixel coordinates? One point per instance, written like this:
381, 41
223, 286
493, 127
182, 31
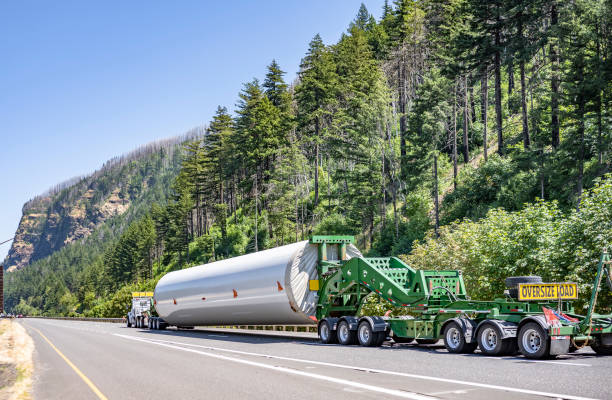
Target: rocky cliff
73, 210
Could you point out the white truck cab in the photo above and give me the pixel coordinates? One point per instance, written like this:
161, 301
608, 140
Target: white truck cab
140, 312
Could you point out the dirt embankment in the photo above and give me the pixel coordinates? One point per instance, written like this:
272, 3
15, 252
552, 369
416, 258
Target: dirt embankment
16, 366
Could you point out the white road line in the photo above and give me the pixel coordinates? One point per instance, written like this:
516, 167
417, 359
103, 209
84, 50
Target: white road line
379, 371
345, 382
460, 391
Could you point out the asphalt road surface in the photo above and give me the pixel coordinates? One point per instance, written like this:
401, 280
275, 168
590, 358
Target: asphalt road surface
92, 360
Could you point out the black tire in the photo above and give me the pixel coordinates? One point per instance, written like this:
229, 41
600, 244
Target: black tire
511, 346
345, 335
490, 340
454, 339
156, 324
365, 335
600, 349
533, 341
326, 334
427, 341
128, 323
380, 339
398, 339
513, 281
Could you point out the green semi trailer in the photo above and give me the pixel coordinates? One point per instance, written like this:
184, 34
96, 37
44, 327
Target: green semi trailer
538, 319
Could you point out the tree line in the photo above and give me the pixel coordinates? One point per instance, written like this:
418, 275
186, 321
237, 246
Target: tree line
439, 110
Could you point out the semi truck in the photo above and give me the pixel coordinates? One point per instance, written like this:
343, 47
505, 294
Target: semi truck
325, 281
140, 309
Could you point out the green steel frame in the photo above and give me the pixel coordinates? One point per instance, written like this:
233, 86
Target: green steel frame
434, 297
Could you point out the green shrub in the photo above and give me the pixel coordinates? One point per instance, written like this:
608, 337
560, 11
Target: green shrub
540, 240
336, 224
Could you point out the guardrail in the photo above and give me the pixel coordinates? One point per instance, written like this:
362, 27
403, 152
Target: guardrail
115, 320
279, 328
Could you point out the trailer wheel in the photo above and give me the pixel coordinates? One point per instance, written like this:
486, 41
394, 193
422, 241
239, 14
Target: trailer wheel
128, 323
511, 346
156, 324
345, 335
490, 340
382, 336
454, 340
600, 349
427, 341
365, 335
326, 334
533, 341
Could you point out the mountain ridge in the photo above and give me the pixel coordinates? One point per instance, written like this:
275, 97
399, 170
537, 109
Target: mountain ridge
73, 209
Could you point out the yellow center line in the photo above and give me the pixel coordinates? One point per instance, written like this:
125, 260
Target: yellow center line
74, 367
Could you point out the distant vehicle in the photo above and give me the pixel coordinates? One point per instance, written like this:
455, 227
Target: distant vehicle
19, 315
142, 315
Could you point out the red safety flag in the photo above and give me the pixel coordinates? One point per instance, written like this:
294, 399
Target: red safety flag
550, 316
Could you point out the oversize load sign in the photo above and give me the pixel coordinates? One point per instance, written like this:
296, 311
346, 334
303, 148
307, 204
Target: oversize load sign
547, 291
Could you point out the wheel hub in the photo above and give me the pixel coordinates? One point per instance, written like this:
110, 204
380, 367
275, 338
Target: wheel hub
324, 331
453, 337
343, 332
364, 334
489, 339
532, 341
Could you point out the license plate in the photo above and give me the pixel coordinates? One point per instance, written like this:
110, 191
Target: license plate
548, 291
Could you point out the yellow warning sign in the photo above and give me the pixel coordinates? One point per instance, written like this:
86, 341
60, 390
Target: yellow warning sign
547, 291
142, 294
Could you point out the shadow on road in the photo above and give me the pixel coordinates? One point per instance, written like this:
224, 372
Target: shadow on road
254, 338
236, 337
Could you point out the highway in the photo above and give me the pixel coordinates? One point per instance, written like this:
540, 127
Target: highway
94, 360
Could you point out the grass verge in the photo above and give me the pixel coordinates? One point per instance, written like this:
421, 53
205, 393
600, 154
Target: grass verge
16, 365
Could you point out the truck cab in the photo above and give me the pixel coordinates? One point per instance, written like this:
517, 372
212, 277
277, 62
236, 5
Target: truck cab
140, 311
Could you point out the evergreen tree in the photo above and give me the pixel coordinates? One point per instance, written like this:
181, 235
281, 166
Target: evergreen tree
316, 98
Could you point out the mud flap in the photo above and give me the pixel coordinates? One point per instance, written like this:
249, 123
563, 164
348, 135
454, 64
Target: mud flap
378, 324
559, 345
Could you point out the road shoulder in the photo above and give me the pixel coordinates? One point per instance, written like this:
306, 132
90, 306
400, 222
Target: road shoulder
16, 366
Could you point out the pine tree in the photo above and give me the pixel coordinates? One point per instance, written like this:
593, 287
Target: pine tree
362, 19
275, 87
316, 99
408, 38
427, 123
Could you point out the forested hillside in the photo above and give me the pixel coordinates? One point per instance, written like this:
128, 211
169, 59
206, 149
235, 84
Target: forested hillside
457, 133
64, 230
73, 209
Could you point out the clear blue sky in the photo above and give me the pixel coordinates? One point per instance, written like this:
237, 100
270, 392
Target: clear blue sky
83, 81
